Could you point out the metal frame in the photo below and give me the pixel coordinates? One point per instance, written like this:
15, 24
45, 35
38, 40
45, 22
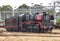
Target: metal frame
55, 11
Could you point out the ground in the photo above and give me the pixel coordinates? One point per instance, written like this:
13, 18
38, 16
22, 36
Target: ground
28, 36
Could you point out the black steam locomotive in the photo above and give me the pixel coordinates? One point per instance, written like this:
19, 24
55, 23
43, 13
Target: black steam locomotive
38, 22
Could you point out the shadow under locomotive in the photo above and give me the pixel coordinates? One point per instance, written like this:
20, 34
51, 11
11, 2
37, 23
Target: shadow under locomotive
39, 22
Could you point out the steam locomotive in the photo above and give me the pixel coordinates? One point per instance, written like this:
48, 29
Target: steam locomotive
38, 22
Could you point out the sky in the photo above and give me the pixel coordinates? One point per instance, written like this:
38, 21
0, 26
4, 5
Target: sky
16, 3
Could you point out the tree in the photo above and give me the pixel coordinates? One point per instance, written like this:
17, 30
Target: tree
50, 3
6, 8
23, 6
58, 14
58, 21
50, 11
39, 6
0, 8
41, 3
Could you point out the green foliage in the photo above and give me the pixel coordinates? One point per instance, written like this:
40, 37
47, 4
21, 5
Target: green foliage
50, 11
23, 6
5, 8
58, 21
39, 6
0, 8
58, 13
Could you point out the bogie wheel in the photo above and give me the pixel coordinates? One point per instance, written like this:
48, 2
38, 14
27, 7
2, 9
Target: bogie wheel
35, 28
9, 30
50, 30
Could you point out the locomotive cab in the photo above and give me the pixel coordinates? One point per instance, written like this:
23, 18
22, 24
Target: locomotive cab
11, 24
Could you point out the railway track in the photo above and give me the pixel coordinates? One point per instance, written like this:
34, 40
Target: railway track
53, 34
30, 33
